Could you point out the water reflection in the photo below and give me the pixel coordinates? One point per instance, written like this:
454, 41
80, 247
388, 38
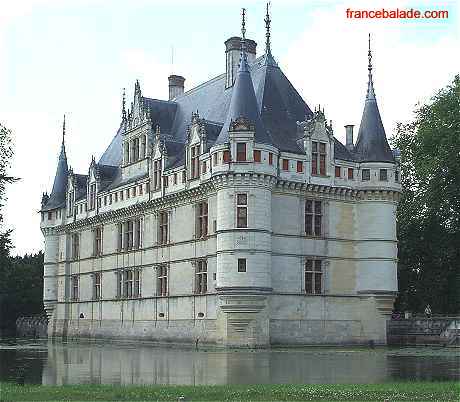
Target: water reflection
115, 363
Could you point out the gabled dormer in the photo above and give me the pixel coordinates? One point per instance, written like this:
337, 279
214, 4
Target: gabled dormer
158, 160
318, 143
196, 146
92, 186
71, 193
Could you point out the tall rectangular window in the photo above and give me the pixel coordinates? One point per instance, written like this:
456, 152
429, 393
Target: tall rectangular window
313, 277
241, 264
314, 157
162, 280
137, 283
226, 156
119, 274
241, 210
215, 159
299, 166
70, 203
365, 174
166, 181
270, 158
175, 178
128, 235
313, 218
137, 233
92, 196
98, 241
143, 146
202, 219
241, 152
97, 286
136, 148
285, 164
194, 161
337, 171
163, 227
397, 176
74, 287
157, 175
350, 174
129, 280
201, 277
126, 151
322, 159
75, 240
120, 237
383, 175
257, 156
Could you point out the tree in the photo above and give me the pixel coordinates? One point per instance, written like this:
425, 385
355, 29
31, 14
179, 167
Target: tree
429, 211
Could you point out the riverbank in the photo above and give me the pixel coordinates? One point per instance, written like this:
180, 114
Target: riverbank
405, 391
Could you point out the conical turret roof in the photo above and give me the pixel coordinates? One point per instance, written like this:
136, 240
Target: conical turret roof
58, 193
243, 104
372, 144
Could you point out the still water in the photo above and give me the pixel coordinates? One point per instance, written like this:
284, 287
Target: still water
44, 362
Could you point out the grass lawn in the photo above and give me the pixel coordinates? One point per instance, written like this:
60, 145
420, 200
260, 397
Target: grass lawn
405, 391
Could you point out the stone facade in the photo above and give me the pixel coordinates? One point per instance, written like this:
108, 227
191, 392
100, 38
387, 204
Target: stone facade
214, 242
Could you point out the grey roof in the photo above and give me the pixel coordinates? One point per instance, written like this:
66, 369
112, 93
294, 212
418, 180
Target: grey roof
244, 105
113, 155
58, 193
372, 144
80, 186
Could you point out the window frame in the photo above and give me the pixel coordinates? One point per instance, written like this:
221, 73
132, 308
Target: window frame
299, 167
313, 219
98, 241
285, 165
241, 150
242, 210
163, 227
242, 265
201, 277
350, 174
257, 155
74, 287
162, 280
338, 171
313, 270
367, 176
383, 174
202, 210
97, 286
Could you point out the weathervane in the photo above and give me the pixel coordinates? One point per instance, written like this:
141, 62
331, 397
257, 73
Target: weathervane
267, 29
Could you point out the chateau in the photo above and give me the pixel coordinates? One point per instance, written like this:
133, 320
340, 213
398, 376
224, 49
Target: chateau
228, 214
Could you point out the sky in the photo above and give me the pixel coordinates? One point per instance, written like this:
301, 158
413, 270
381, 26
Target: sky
75, 56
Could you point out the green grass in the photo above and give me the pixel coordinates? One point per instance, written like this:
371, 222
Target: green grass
406, 391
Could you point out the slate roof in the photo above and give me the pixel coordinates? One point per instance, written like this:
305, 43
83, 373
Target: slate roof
58, 193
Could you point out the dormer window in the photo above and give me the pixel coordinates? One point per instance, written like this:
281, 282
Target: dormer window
157, 175
366, 174
299, 166
257, 156
241, 152
286, 164
318, 158
194, 161
226, 156
92, 196
383, 175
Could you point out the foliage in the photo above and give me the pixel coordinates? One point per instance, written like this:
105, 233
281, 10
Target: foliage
429, 211
410, 391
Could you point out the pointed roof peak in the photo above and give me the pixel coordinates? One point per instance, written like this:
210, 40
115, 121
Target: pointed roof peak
372, 144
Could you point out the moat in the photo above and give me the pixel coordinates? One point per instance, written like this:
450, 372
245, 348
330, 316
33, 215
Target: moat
43, 362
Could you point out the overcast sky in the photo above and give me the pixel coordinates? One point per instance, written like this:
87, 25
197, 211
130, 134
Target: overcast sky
75, 56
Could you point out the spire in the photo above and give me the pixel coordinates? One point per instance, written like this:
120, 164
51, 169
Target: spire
267, 20
372, 144
243, 104
370, 83
123, 105
58, 193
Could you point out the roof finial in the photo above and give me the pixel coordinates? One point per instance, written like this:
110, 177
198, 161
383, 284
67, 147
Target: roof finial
370, 84
63, 130
267, 30
123, 107
243, 23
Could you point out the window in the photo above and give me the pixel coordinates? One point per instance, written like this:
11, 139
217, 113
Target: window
396, 176
120, 237
313, 277
141, 189
143, 146
116, 197
128, 289
241, 151
313, 218
75, 240
110, 199
383, 175
166, 181
137, 283
299, 166
194, 161
215, 159
350, 174
163, 228
366, 174
257, 156
337, 171
128, 235
105, 200
157, 175
137, 233
119, 284
134, 191
201, 277
127, 193
285, 164
50, 216
92, 196
175, 178
226, 156
242, 211
162, 280
121, 195
318, 158
70, 204
202, 219
270, 158
184, 176
241, 264
97, 241
126, 153
74, 287
204, 167
97, 286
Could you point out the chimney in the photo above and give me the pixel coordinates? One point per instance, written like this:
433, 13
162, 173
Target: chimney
232, 57
349, 136
176, 86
